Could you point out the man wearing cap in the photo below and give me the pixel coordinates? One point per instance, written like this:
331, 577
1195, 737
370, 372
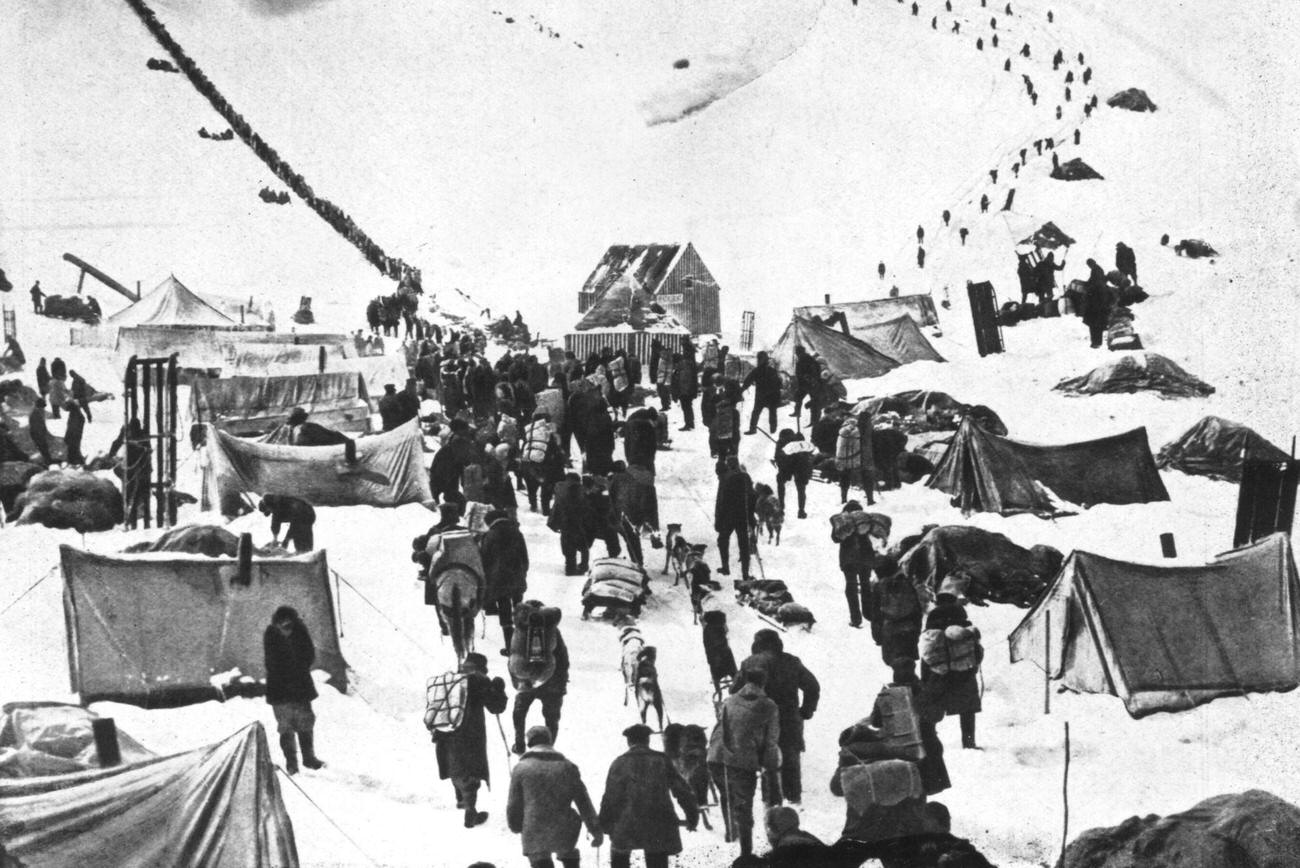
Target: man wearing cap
544, 790
462, 754
744, 742
792, 847
390, 409
636, 810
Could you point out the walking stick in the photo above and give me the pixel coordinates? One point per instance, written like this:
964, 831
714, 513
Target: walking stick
504, 743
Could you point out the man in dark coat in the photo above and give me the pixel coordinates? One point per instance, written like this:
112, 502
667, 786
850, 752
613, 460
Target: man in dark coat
42, 378
807, 379
38, 430
462, 755
543, 787
898, 611
744, 742
581, 407
296, 513
857, 557
505, 569
636, 811
37, 298
954, 692
1045, 276
1097, 301
390, 409
640, 439
289, 654
1125, 261
599, 448
792, 847
687, 377
568, 518
450, 461
82, 392
733, 512
73, 433
602, 524
794, 461
306, 433
767, 393
786, 679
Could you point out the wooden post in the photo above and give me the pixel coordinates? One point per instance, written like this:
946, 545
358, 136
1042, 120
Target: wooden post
244, 554
1047, 664
106, 745
1167, 547
828, 298
1065, 796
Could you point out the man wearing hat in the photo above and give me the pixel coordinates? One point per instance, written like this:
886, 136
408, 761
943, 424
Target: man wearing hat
637, 809
544, 790
462, 755
743, 743
792, 847
450, 461
390, 410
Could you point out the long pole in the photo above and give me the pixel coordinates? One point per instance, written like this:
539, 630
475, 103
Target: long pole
1065, 795
1047, 664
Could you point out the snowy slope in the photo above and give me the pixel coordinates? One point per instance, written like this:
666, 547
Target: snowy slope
503, 160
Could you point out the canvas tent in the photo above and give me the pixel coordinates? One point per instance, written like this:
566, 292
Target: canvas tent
847, 357
1048, 235
389, 470
900, 339
153, 629
1076, 170
988, 473
1134, 99
171, 303
218, 806
251, 405
54, 738
1137, 371
1216, 447
1168, 638
859, 314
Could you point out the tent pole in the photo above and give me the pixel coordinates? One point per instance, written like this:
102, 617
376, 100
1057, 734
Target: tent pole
1065, 795
1047, 665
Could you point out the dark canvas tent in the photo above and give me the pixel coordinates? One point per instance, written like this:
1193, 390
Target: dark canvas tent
987, 473
1134, 99
1048, 235
924, 410
1169, 638
389, 470
218, 807
1076, 170
247, 405
901, 340
153, 629
858, 314
991, 567
1134, 372
847, 357
1216, 447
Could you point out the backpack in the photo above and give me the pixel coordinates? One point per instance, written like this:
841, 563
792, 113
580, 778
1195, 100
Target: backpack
537, 438
955, 649
532, 646
724, 428
618, 373
898, 601
880, 784
848, 446
900, 722
445, 697
471, 482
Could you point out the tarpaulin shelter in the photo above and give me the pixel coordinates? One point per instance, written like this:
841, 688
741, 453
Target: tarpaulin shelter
218, 806
988, 473
858, 314
900, 339
389, 470
847, 357
1137, 371
249, 405
54, 738
1216, 447
1076, 170
153, 629
991, 566
1134, 99
1048, 235
1168, 638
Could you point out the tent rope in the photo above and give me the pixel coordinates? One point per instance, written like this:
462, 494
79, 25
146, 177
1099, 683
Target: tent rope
381, 612
330, 819
30, 588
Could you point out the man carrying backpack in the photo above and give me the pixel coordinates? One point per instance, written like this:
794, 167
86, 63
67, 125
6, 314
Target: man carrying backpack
897, 610
455, 719
951, 655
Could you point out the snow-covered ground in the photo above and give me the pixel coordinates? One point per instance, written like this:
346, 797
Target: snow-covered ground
503, 159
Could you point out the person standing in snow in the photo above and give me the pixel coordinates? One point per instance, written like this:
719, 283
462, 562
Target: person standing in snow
767, 392
38, 298
796, 692
42, 378
295, 512
550, 693
72, 434
733, 512
794, 461
744, 742
1045, 276
462, 753
1096, 304
950, 661
39, 431
1125, 261
544, 789
636, 810
857, 557
505, 570
898, 612
984, 203
289, 654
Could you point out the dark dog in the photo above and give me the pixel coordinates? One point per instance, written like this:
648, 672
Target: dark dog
770, 514
687, 747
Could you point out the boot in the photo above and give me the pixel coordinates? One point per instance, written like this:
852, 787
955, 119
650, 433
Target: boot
474, 818
290, 748
968, 732
746, 842
309, 758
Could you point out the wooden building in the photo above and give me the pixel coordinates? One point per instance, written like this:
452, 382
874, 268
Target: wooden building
671, 275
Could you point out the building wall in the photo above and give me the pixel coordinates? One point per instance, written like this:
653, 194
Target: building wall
699, 307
